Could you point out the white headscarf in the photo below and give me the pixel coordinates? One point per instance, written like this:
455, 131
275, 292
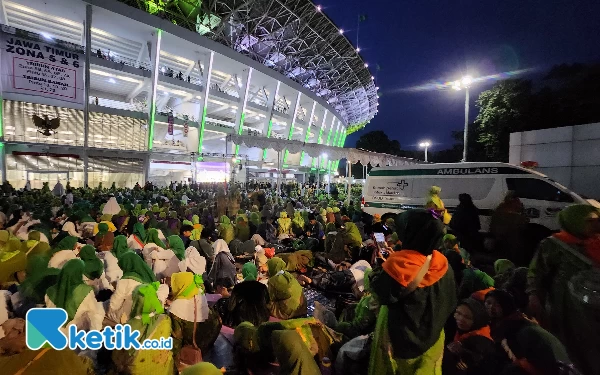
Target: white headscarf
194, 261
111, 207
358, 271
69, 227
220, 245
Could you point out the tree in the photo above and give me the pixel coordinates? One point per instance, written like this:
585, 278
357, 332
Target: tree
503, 109
378, 141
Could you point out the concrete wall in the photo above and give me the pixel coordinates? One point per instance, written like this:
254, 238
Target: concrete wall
569, 155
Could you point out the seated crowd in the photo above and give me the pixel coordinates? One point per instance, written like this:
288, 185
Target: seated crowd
293, 285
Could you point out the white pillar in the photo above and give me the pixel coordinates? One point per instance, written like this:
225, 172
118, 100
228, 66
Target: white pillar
268, 120
86, 90
206, 74
154, 48
241, 110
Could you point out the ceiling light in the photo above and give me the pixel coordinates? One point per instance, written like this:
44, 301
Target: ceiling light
318, 8
366, 65
357, 49
341, 31
46, 35
112, 80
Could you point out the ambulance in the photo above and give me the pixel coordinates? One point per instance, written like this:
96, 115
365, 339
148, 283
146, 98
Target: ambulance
392, 190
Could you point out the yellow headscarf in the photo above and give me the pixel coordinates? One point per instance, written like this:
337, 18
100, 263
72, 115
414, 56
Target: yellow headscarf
185, 285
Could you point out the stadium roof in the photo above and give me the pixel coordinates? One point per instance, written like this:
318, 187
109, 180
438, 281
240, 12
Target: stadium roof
292, 37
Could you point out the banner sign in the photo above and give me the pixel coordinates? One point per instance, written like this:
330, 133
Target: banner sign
33, 64
170, 120
186, 128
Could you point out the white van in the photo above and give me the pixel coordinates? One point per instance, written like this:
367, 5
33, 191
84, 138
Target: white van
395, 189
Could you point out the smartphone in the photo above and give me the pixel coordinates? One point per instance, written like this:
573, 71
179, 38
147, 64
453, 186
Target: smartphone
379, 237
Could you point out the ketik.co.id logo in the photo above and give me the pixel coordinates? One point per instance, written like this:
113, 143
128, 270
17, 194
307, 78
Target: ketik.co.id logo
44, 327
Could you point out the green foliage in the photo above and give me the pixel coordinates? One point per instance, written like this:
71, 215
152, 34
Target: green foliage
502, 109
378, 141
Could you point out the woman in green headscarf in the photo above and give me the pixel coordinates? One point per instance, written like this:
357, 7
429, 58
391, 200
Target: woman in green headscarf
12, 261
165, 262
298, 224
72, 294
93, 274
146, 316
255, 218
249, 300
33, 247
120, 247
190, 305
135, 273
137, 239
285, 293
104, 238
38, 279
558, 259
63, 252
196, 223
226, 231
242, 230
153, 242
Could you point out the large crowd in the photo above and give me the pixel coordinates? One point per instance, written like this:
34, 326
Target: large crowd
296, 283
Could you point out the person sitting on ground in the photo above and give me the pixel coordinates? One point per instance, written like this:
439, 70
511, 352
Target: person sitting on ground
189, 305
472, 344
186, 233
242, 230
450, 243
284, 224
285, 293
226, 230
72, 294
222, 274
249, 300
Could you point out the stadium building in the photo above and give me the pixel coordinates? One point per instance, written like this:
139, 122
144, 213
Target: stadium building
104, 91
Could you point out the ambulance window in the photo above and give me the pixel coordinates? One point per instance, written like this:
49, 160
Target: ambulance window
531, 188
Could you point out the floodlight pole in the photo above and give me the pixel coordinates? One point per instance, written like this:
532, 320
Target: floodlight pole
466, 126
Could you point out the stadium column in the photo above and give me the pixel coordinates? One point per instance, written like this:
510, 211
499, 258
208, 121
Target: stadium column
86, 89
206, 75
154, 47
327, 168
340, 143
319, 138
241, 111
306, 130
268, 126
289, 129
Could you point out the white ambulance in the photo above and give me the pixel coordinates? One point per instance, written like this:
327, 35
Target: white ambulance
395, 189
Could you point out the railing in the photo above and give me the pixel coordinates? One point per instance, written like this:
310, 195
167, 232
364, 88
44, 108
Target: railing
168, 72
135, 106
116, 58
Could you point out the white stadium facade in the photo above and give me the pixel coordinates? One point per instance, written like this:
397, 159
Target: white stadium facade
104, 91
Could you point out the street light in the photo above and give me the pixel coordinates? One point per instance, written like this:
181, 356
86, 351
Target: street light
425, 145
464, 83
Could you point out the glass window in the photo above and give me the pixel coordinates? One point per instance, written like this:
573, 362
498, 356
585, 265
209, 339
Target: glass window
477, 188
531, 188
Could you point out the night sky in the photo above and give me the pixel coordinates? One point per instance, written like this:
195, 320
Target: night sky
419, 42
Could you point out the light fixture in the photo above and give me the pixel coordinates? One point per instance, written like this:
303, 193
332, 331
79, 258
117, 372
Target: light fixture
318, 8
165, 93
46, 35
112, 80
425, 144
341, 31
466, 81
366, 65
357, 49
372, 78
456, 85
324, 155
234, 159
163, 69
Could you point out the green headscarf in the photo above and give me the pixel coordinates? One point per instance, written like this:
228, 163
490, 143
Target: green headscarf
366, 281
67, 243
254, 218
145, 301
298, 219
4, 236
202, 368
187, 222
152, 237
139, 231
450, 237
120, 246
135, 268
33, 247
12, 260
246, 335
195, 219
503, 265
275, 265
573, 218
224, 220
102, 229
176, 244
249, 272
39, 278
70, 290
93, 266
34, 235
